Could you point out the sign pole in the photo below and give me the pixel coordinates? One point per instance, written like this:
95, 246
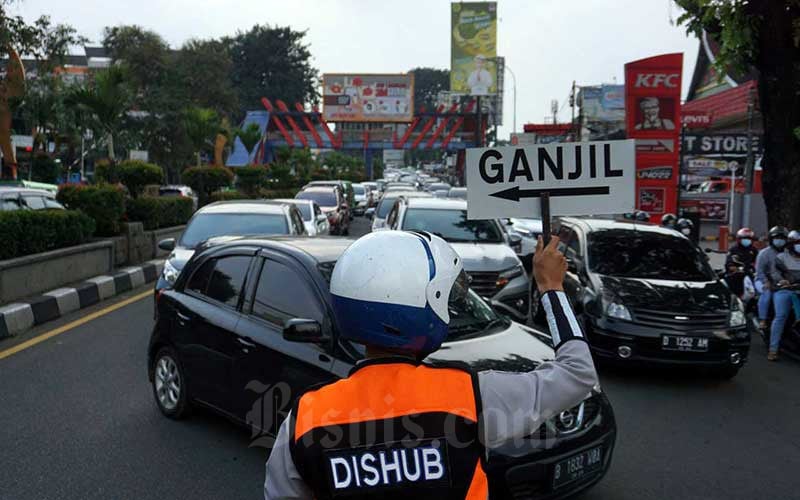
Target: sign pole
545, 206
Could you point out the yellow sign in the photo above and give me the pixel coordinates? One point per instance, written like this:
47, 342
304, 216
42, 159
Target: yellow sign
473, 48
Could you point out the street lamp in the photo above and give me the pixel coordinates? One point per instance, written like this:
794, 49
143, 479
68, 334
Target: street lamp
514, 79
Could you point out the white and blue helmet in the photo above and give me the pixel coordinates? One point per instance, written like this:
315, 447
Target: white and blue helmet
393, 289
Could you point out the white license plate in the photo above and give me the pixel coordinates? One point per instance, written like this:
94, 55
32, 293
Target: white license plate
577, 466
686, 344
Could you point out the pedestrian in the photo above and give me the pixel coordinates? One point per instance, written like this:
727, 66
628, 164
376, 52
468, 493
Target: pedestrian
765, 269
786, 275
390, 292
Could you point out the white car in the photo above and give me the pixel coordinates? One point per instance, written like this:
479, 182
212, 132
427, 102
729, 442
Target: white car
529, 230
361, 196
314, 220
379, 218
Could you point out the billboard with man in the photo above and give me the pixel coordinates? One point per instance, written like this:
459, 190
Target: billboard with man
473, 48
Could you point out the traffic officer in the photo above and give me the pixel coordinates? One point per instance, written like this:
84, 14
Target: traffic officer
398, 427
685, 227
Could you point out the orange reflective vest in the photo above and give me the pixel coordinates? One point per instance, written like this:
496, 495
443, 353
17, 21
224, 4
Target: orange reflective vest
392, 429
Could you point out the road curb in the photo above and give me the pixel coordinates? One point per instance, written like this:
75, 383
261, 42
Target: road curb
19, 317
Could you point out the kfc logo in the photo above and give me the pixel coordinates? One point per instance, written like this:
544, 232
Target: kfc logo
653, 80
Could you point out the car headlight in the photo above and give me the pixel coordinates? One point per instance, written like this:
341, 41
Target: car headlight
523, 232
170, 273
618, 311
509, 274
737, 317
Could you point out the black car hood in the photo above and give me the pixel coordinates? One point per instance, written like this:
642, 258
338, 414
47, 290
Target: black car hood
667, 295
515, 349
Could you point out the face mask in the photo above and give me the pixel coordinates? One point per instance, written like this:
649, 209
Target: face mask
797, 248
747, 242
779, 243
686, 231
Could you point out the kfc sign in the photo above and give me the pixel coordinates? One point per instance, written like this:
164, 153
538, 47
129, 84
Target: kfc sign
654, 80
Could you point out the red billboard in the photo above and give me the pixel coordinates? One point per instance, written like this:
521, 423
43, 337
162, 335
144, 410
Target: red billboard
653, 118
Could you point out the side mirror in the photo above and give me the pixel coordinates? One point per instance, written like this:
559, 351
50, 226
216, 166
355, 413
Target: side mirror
303, 330
508, 222
514, 239
321, 218
167, 245
370, 213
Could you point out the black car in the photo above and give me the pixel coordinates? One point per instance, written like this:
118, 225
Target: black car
248, 327
645, 293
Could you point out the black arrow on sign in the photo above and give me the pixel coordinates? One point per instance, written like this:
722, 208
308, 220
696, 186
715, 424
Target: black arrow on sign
515, 193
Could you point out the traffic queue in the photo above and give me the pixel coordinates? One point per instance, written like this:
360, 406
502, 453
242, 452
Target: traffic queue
260, 290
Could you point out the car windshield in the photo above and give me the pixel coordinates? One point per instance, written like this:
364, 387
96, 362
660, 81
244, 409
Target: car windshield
170, 192
323, 198
470, 317
627, 253
384, 206
205, 226
359, 189
452, 225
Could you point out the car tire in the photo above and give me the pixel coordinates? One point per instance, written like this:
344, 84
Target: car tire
169, 385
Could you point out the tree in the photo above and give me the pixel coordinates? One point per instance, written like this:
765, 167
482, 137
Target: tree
135, 175
250, 136
428, 82
206, 180
144, 53
202, 126
271, 62
203, 76
764, 34
107, 99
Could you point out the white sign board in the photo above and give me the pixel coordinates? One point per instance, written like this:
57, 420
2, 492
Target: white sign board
135, 154
583, 178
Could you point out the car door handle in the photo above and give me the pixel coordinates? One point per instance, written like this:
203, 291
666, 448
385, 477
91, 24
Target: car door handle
182, 318
244, 342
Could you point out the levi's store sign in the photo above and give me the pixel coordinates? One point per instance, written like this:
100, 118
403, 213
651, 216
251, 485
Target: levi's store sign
653, 119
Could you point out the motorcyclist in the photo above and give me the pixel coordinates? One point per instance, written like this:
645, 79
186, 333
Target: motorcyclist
765, 269
669, 220
743, 252
785, 275
685, 227
391, 292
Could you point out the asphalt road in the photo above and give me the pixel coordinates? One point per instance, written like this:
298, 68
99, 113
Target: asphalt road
79, 422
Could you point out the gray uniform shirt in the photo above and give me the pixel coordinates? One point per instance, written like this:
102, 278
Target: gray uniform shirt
787, 267
514, 404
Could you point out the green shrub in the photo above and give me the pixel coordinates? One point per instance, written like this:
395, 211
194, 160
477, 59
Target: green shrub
136, 174
251, 180
105, 204
155, 213
45, 169
206, 180
106, 172
27, 232
271, 194
228, 196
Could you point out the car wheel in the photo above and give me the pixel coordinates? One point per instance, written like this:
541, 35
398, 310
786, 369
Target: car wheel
169, 385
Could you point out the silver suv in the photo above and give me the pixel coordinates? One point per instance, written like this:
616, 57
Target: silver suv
495, 271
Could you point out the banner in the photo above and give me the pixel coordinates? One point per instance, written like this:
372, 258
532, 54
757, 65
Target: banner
368, 98
473, 48
713, 210
719, 144
603, 103
653, 118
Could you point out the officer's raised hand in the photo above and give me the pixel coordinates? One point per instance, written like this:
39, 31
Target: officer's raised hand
549, 266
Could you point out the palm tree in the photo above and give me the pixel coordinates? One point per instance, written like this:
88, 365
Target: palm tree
250, 136
202, 126
107, 99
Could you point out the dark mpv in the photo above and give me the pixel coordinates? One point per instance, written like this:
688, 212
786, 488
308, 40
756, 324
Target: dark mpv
248, 327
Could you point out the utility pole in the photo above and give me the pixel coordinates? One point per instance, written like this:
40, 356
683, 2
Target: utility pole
572, 105
749, 164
